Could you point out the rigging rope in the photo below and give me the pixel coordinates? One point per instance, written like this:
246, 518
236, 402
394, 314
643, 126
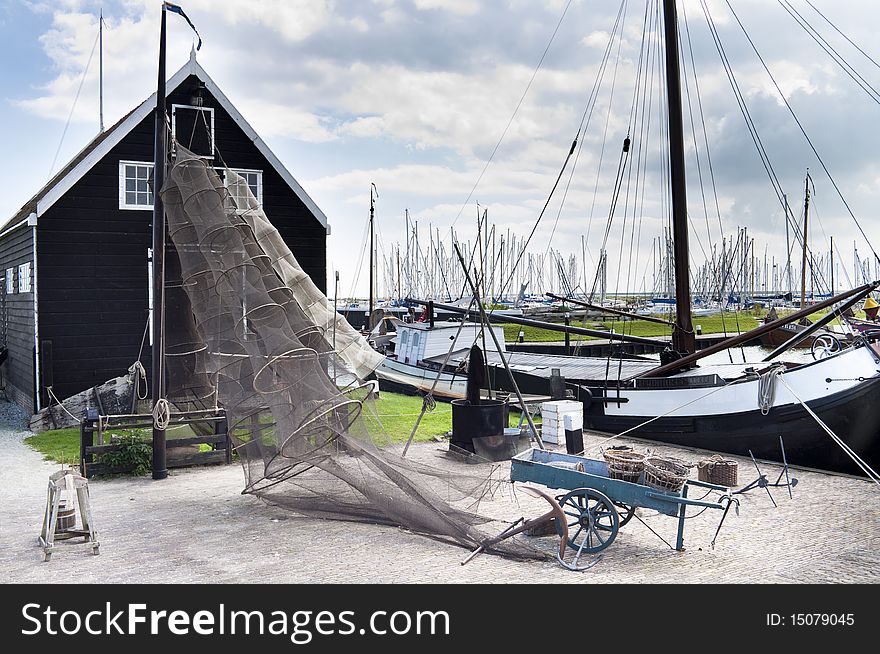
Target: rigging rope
513, 116
830, 51
867, 469
853, 44
73, 108
803, 131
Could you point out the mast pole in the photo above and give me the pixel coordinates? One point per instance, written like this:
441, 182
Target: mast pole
160, 469
832, 265
804, 258
683, 339
372, 256
101, 69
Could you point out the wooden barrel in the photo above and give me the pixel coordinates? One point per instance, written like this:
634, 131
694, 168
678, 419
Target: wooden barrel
66, 517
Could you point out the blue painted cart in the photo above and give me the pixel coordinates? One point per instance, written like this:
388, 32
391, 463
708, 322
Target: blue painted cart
596, 506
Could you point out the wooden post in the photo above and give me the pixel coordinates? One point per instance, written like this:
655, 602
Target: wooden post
222, 427
160, 467
86, 442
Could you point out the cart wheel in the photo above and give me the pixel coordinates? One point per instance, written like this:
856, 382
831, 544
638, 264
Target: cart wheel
593, 521
625, 512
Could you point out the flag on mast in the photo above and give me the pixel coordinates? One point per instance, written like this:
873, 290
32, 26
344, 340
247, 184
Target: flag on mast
177, 9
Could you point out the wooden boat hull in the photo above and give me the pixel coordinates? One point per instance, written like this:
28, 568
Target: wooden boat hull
396, 376
854, 415
727, 417
782, 334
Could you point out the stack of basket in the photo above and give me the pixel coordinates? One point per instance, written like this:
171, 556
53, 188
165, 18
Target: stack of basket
624, 464
666, 473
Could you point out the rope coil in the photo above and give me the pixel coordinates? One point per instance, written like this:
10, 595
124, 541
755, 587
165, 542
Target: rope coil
161, 415
767, 388
139, 377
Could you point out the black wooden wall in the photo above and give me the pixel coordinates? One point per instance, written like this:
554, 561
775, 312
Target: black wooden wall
93, 276
16, 248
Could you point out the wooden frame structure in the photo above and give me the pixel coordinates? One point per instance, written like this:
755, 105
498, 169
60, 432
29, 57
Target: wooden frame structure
93, 425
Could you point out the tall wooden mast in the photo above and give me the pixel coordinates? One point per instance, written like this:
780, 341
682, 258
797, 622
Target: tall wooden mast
372, 300
804, 249
160, 468
683, 339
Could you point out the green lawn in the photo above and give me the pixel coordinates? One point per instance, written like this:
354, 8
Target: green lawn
716, 324
730, 323
60, 445
396, 413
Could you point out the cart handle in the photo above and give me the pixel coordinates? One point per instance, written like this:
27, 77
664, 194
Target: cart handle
703, 484
683, 500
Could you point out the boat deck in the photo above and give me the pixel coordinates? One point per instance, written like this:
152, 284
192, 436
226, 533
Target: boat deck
575, 369
593, 369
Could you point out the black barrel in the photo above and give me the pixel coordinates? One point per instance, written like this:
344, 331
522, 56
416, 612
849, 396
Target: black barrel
469, 421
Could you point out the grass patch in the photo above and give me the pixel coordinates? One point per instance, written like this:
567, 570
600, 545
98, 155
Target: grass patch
59, 445
397, 414
715, 324
62, 445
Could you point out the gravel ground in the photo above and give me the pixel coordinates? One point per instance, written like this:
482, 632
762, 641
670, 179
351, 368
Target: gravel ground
197, 527
13, 417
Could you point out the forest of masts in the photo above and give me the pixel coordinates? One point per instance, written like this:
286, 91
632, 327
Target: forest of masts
736, 272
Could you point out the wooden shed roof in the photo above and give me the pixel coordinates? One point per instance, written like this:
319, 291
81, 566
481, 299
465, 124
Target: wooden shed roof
98, 148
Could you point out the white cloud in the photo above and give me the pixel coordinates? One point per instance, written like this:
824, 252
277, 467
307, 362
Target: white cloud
414, 95
461, 7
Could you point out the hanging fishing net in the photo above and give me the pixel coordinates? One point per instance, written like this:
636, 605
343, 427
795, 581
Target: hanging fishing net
249, 331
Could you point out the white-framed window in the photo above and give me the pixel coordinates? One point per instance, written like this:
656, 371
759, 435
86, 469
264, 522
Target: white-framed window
10, 281
24, 278
193, 128
416, 342
254, 179
135, 185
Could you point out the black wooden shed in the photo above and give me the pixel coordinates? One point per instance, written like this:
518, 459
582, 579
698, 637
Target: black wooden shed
76, 261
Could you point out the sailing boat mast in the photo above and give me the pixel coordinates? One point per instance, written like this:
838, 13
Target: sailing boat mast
374, 193
683, 339
806, 223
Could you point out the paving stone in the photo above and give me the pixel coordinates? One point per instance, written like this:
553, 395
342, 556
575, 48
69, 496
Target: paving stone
197, 527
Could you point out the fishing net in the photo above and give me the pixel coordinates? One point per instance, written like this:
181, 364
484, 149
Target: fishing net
251, 333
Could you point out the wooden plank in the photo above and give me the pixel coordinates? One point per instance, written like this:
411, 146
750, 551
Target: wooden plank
198, 459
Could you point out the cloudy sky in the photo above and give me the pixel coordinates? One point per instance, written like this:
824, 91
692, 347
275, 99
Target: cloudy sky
418, 95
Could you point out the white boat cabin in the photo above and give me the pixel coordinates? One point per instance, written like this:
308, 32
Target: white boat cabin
418, 341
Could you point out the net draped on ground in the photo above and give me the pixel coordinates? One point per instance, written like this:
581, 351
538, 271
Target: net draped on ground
247, 328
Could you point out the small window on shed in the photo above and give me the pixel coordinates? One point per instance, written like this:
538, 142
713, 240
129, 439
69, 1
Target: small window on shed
24, 278
254, 180
193, 128
10, 281
135, 185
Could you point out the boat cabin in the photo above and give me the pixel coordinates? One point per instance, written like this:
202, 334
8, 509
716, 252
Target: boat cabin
418, 341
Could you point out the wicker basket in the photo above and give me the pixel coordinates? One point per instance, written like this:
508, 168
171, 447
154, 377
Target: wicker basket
666, 474
718, 470
624, 464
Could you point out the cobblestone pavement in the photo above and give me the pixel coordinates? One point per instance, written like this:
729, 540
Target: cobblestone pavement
197, 527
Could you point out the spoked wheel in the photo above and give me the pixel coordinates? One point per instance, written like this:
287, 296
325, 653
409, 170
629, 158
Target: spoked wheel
592, 521
824, 346
625, 513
